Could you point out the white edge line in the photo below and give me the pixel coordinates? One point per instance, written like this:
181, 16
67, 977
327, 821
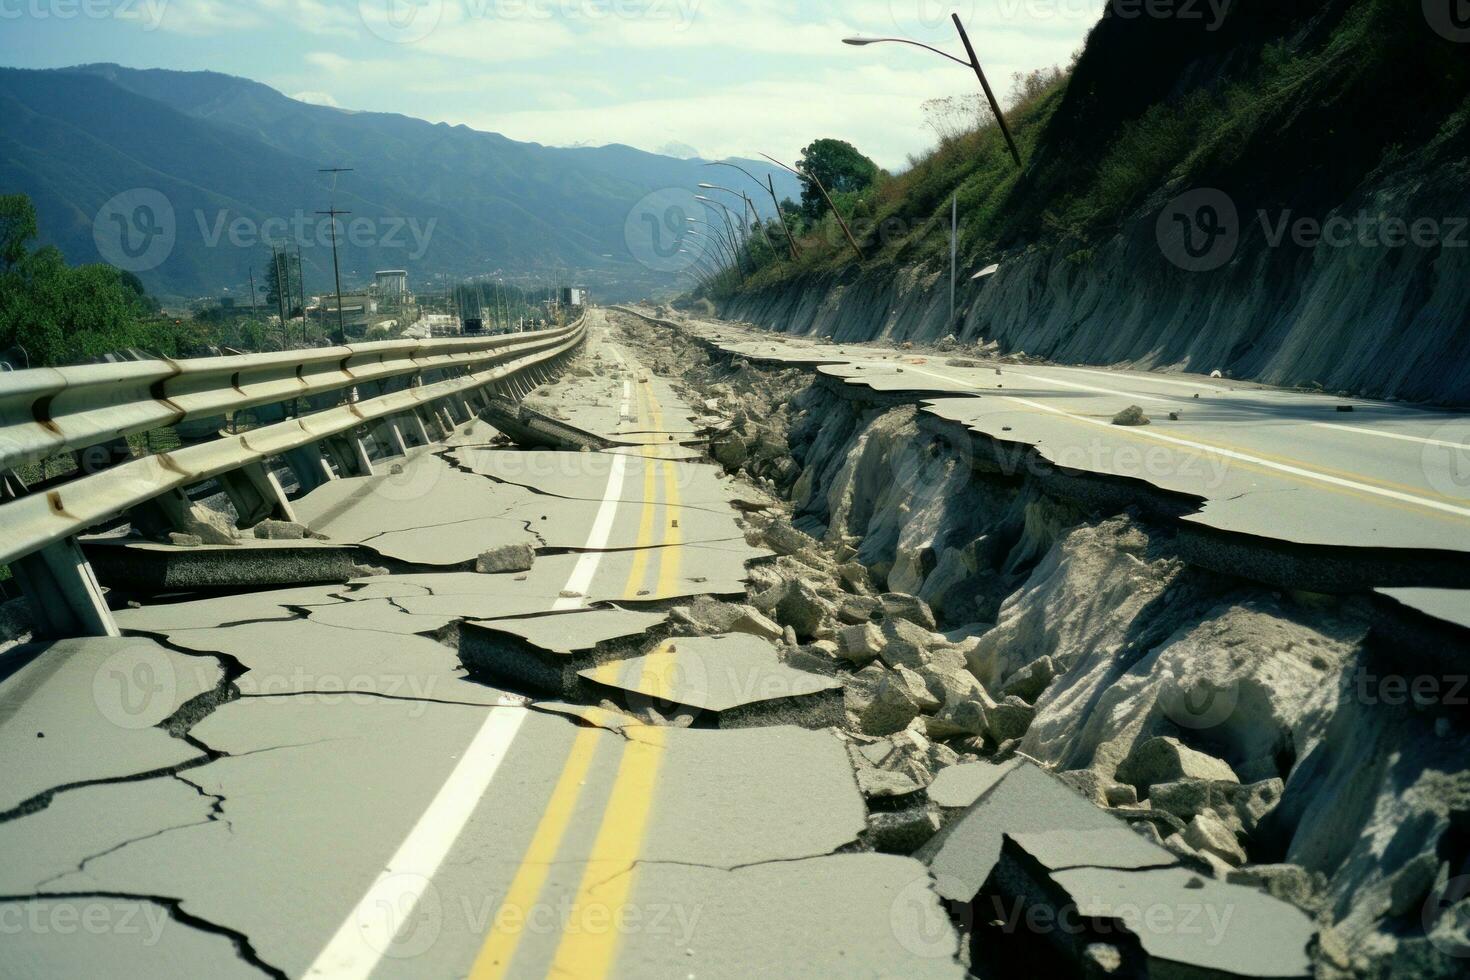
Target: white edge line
360, 942
1462, 447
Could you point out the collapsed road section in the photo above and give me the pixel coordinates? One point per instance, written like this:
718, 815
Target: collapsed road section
716, 673
1217, 643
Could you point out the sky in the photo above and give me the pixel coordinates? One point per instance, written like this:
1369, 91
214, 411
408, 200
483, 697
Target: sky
717, 77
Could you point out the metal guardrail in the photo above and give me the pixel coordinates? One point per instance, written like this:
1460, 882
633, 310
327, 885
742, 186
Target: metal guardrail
48, 411
45, 411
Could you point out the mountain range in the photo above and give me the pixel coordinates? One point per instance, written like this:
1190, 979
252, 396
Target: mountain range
228, 155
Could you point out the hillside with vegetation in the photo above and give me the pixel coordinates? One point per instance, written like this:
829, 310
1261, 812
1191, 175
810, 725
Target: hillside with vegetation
1344, 114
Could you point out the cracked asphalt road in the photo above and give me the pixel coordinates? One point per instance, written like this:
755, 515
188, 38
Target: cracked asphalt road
306, 782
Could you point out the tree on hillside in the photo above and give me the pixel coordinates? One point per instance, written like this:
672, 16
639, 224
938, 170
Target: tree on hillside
59, 314
840, 167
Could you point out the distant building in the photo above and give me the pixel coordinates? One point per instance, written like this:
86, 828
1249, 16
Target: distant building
574, 296
357, 309
392, 287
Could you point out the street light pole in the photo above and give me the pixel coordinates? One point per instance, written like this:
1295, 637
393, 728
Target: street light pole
336, 266
770, 186
812, 178
750, 208
973, 64
337, 273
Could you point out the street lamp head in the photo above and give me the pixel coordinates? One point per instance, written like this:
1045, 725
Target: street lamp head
858, 42
708, 187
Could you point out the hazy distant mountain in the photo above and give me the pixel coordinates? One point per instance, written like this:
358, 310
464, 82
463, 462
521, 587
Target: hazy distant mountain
228, 154
679, 151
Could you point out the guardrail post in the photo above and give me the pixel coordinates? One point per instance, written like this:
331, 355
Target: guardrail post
256, 495
64, 593
350, 454
310, 466
419, 429
388, 437
170, 511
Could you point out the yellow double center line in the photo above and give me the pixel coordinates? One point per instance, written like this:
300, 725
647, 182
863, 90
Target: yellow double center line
607, 881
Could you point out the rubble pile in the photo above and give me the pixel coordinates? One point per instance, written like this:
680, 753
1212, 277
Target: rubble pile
975, 621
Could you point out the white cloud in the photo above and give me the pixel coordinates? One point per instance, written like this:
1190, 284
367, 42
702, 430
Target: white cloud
317, 98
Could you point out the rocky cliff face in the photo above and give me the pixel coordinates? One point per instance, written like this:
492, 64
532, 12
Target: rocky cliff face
1379, 320
1283, 199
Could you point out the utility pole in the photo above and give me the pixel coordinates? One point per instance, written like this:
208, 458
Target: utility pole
254, 309
341, 337
301, 287
954, 253
1000, 118
277, 260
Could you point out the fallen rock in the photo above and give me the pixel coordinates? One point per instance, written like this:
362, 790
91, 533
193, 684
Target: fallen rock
858, 609
897, 605
957, 718
855, 579
905, 643
903, 831
506, 558
1288, 882
184, 540
859, 644
1031, 681
282, 531
756, 623
1165, 760
892, 707
784, 539
211, 526
1241, 807
1008, 720
797, 605
1208, 833
1132, 415
917, 689
730, 452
